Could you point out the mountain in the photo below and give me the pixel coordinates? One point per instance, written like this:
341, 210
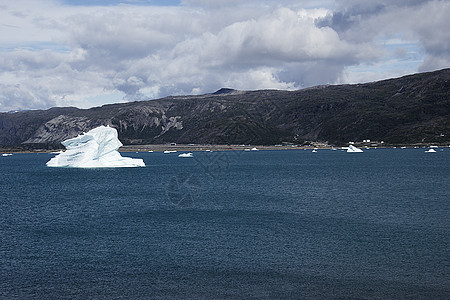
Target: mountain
406, 110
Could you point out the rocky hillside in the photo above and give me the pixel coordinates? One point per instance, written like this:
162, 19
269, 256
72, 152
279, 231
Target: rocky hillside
406, 110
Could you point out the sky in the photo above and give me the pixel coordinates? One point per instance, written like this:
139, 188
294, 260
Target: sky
89, 53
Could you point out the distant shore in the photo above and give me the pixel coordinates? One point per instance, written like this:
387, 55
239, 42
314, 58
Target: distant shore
198, 147
178, 147
192, 148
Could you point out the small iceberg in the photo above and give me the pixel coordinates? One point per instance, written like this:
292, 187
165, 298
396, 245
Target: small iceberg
353, 149
431, 150
186, 155
97, 148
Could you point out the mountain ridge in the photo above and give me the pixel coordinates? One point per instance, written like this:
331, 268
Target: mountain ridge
405, 110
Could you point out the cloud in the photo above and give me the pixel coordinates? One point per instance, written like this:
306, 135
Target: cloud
247, 54
281, 36
418, 21
58, 54
258, 3
19, 97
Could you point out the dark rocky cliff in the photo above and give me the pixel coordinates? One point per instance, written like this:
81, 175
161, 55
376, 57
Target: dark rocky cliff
410, 109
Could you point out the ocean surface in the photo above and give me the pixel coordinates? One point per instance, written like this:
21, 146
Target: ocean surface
229, 225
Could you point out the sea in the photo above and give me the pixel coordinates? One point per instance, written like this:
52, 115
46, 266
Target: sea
286, 224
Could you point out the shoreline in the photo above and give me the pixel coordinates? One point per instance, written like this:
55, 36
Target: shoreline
197, 148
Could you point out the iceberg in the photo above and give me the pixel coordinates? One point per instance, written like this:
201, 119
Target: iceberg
169, 151
353, 149
186, 155
97, 148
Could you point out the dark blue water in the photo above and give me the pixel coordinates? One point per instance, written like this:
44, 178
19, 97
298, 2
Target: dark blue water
229, 225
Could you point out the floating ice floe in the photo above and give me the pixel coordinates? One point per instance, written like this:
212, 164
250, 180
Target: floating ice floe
186, 155
97, 148
431, 151
353, 149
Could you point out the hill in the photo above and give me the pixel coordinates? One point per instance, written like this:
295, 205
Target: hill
407, 110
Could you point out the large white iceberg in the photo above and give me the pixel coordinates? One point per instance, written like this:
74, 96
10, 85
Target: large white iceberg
97, 148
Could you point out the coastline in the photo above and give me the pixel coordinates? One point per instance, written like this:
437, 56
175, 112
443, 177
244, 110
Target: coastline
194, 147
208, 147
